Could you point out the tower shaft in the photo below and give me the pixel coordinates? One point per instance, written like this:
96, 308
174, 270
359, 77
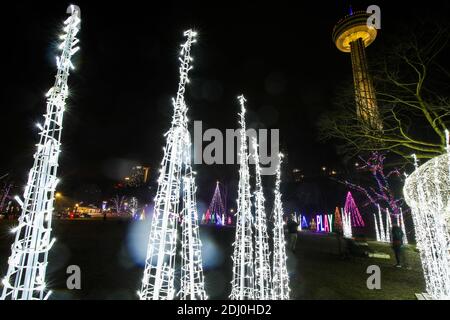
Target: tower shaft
366, 101
25, 279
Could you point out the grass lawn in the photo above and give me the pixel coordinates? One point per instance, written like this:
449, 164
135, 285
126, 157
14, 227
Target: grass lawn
111, 254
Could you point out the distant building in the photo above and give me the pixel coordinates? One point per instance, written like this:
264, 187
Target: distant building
139, 177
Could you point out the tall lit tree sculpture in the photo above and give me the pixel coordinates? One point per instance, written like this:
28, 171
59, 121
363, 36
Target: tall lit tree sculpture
25, 279
242, 284
176, 181
280, 282
263, 277
427, 193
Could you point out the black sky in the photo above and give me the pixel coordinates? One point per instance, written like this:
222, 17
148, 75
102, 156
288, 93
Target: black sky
278, 53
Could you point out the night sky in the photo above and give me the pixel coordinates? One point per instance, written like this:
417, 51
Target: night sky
278, 53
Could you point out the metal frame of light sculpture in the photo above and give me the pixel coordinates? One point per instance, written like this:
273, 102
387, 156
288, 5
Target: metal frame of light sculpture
175, 176
426, 192
25, 279
263, 275
280, 277
243, 282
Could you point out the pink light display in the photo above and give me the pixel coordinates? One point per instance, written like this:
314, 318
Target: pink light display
352, 209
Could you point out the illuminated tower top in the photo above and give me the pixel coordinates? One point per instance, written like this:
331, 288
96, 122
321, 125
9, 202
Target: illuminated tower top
351, 28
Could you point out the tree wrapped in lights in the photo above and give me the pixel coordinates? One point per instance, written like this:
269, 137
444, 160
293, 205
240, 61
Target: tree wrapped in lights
382, 193
242, 284
280, 282
176, 181
427, 193
263, 276
25, 279
353, 211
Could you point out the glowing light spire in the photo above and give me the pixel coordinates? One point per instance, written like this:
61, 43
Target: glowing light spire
388, 226
242, 285
25, 279
192, 279
176, 181
263, 277
217, 208
280, 282
377, 232
383, 237
401, 223
426, 192
347, 224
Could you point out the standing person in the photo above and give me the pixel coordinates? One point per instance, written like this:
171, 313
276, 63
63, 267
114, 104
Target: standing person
292, 227
397, 244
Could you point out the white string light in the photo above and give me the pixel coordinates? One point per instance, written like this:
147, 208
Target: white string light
25, 279
377, 232
427, 193
388, 226
347, 224
382, 229
280, 282
263, 276
401, 223
242, 284
176, 175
